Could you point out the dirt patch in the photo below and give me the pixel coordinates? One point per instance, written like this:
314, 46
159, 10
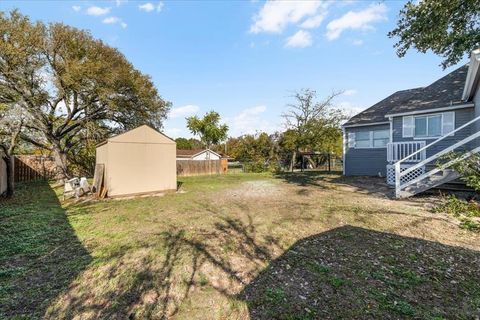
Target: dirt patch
255, 189
367, 185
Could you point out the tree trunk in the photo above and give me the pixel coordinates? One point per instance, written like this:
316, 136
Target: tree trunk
310, 160
292, 161
61, 169
10, 175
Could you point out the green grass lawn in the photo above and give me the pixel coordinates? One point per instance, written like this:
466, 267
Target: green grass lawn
237, 246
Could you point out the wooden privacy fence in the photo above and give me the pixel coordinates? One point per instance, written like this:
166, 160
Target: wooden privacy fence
201, 167
3, 175
33, 168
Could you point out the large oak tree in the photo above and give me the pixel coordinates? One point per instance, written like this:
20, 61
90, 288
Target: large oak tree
69, 82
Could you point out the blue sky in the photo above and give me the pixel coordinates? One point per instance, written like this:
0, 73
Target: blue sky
244, 59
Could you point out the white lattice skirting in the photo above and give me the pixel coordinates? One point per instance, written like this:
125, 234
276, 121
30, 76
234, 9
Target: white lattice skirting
410, 176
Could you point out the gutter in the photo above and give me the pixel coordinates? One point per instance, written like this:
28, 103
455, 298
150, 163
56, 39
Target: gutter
472, 76
365, 124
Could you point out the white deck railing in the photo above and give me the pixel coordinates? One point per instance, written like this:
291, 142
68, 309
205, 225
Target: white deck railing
400, 150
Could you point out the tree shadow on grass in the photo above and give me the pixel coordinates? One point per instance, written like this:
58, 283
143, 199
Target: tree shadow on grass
154, 279
352, 273
40, 255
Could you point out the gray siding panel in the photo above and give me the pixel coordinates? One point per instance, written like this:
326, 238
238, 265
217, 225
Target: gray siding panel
365, 162
462, 116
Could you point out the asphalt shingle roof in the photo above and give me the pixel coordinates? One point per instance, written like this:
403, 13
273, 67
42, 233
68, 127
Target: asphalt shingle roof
445, 92
188, 152
377, 112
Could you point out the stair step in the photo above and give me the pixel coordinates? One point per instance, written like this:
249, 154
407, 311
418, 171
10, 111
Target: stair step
454, 186
433, 181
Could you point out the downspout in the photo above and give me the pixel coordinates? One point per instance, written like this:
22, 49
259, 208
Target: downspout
390, 147
390, 119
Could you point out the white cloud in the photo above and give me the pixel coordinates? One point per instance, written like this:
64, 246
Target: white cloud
184, 111
114, 20
350, 92
173, 132
314, 22
111, 20
357, 42
275, 16
97, 11
149, 7
349, 108
160, 6
345, 3
120, 2
301, 39
249, 121
357, 20
76, 8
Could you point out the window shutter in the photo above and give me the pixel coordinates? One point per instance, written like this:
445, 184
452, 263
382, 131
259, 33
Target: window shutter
351, 139
408, 127
448, 123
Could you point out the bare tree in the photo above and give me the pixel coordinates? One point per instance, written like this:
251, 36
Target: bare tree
306, 120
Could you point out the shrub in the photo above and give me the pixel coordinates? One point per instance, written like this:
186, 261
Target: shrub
468, 168
255, 167
467, 212
456, 207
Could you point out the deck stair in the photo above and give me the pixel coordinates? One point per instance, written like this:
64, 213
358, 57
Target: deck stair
454, 186
438, 171
429, 182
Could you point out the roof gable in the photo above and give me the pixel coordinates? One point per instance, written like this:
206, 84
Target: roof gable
142, 134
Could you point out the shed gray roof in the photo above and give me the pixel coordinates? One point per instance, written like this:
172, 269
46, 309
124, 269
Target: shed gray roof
445, 92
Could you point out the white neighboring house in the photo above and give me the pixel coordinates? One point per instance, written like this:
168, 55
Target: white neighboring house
197, 154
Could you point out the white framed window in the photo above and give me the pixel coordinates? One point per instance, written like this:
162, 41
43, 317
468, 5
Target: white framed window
371, 139
428, 126
362, 139
381, 138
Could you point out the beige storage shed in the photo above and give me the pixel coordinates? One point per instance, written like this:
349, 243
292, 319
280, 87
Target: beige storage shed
138, 161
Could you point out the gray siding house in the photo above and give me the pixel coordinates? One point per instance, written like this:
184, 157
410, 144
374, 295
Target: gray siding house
405, 136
